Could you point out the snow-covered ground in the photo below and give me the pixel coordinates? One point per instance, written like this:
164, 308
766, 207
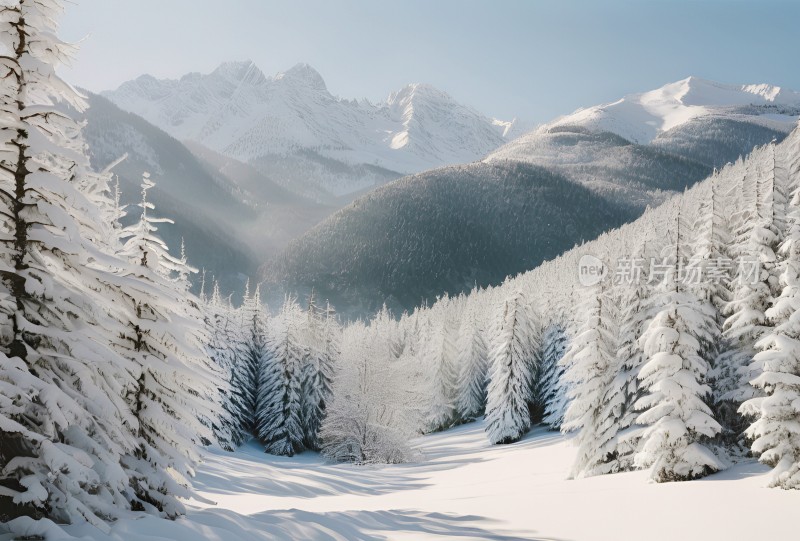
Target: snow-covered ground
462, 488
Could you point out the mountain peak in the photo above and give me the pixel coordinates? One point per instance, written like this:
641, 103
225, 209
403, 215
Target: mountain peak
293, 111
696, 91
303, 74
241, 71
641, 117
416, 91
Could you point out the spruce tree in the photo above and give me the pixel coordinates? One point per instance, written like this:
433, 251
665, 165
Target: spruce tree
590, 364
251, 350
279, 410
322, 352
64, 424
177, 397
625, 388
775, 430
440, 359
553, 385
472, 363
677, 420
752, 288
508, 392
221, 349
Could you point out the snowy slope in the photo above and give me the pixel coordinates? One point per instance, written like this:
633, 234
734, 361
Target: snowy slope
706, 122
641, 117
240, 112
462, 488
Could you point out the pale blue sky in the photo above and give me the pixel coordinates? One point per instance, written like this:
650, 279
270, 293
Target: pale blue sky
506, 58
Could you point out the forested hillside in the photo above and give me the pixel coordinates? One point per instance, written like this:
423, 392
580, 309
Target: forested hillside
445, 230
449, 229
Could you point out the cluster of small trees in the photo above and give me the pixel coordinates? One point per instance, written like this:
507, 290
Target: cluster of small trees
281, 370
442, 366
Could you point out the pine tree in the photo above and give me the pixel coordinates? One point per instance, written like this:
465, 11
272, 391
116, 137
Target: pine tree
552, 388
221, 349
508, 392
674, 412
322, 341
440, 360
752, 290
279, 411
776, 429
250, 351
625, 389
176, 399
590, 364
709, 247
711, 283
64, 425
472, 377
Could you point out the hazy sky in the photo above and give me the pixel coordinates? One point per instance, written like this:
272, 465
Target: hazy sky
506, 58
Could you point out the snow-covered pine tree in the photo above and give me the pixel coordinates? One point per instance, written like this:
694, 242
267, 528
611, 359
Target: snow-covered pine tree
776, 429
708, 278
709, 248
508, 392
625, 389
383, 323
590, 365
250, 350
222, 334
279, 411
772, 205
413, 334
322, 353
176, 398
535, 403
218, 386
552, 386
332, 331
440, 361
674, 412
64, 425
754, 279
472, 364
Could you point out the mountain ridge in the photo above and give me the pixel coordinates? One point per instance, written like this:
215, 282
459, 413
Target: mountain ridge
641, 117
274, 122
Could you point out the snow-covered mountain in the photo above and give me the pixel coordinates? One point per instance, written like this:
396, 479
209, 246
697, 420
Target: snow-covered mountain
528, 201
294, 130
641, 117
708, 123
